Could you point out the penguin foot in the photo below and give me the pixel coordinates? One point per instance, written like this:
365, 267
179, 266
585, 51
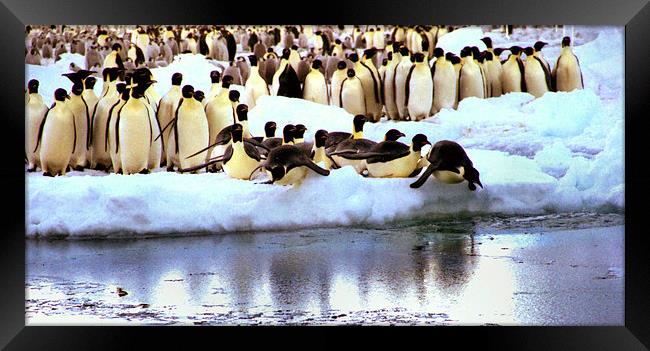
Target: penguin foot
48, 174
78, 168
145, 171
119, 172
31, 169
170, 169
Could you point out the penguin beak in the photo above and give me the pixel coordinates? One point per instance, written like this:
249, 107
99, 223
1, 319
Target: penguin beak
402, 135
479, 183
67, 96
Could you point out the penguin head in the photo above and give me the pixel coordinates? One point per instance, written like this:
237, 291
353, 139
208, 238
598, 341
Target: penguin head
341, 65
475, 52
396, 47
317, 64
466, 51
529, 51
242, 112
418, 141
566, 41
350, 72
438, 52
177, 78
77, 88
294, 47
488, 56
60, 94
449, 55
498, 51
32, 86
233, 95
472, 176
299, 131
269, 50
358, 122
369, 53
384, 62
226, 81
320, 138
393, 135
277, 172
269, 129
539, 45
404, 51
487, 41
90, 82
455, 60
253, 60
237, 133
419, 57
353, 57
215, 76
199, 95
389, 56
288, 133
188, 91
337, 41
116, 47
515, 50
286, 53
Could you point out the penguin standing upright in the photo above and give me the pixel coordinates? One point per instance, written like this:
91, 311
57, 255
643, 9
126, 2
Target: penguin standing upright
303, 68
401, 72
56, 136
190, 129
256, 86
294, 57
512, 76
134, 133
445, 82
89, 95
538, 53
233, 71
167, 111
99, 156
113, 59
374, 104
215, 87
335, 85
81, 112
219, 111
388, 84
35, 111
244, 69
567, 74
495, 71
269, 66
352, 97
111, 131
287, 81
470, 79
419, 86
284, 62
315, 88
538, 78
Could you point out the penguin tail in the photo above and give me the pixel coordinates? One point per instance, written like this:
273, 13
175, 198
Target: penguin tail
423, 178
316, 168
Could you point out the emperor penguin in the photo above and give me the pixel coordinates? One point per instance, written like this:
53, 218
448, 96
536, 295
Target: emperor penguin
388, 84
111, 131
393, 159
303, 68
215, 87
352, 97
449, 164
345, 153
537, 52
512, 77
244, 69
538, 78
35, 111
284, 62
318, 153
79, 108
567, 73
287, 80
294, 57
470, 79
335, 138
33, 57
269, 66
190, 130
89, 95
233, 71
419, 86
166, 112
445, 82
113, 59
99, 156
219, 111
379, 41
335, 85
288, 165
256, 86
337, 49
56, 136
401, 72
315, 88
495, 71
134, 133
374, 104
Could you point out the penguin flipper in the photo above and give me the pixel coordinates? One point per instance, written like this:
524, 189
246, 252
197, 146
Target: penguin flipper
408, 85
415, 172
316, 168
521, 71
423, 178
374, 82
252, 152
547, 74
176, 124
40, 130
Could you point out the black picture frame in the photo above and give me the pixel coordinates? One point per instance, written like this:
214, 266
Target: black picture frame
634, 15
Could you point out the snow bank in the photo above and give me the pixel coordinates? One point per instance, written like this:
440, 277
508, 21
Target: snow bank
561, 152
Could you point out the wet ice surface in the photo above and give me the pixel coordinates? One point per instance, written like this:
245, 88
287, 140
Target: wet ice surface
560, 269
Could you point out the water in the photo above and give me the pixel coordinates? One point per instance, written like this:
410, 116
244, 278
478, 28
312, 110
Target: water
563, 269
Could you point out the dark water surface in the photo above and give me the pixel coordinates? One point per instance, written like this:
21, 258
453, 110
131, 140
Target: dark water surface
564, 269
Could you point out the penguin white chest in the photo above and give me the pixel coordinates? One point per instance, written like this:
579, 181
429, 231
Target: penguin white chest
420, 88
535, 78
294, 176
352, 97
134, 137
397, 168
359, 165
448, 177
445, 87
240, 166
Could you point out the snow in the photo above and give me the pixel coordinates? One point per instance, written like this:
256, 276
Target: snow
559, 153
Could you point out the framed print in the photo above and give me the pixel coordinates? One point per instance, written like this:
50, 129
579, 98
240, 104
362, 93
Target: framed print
221, 166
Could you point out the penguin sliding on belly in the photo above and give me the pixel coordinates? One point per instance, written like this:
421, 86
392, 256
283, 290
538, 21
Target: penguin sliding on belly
57, 136
35, 111
335, 138
449, 163
392, 159
346, 151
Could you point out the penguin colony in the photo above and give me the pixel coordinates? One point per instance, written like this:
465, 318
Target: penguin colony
402, 75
